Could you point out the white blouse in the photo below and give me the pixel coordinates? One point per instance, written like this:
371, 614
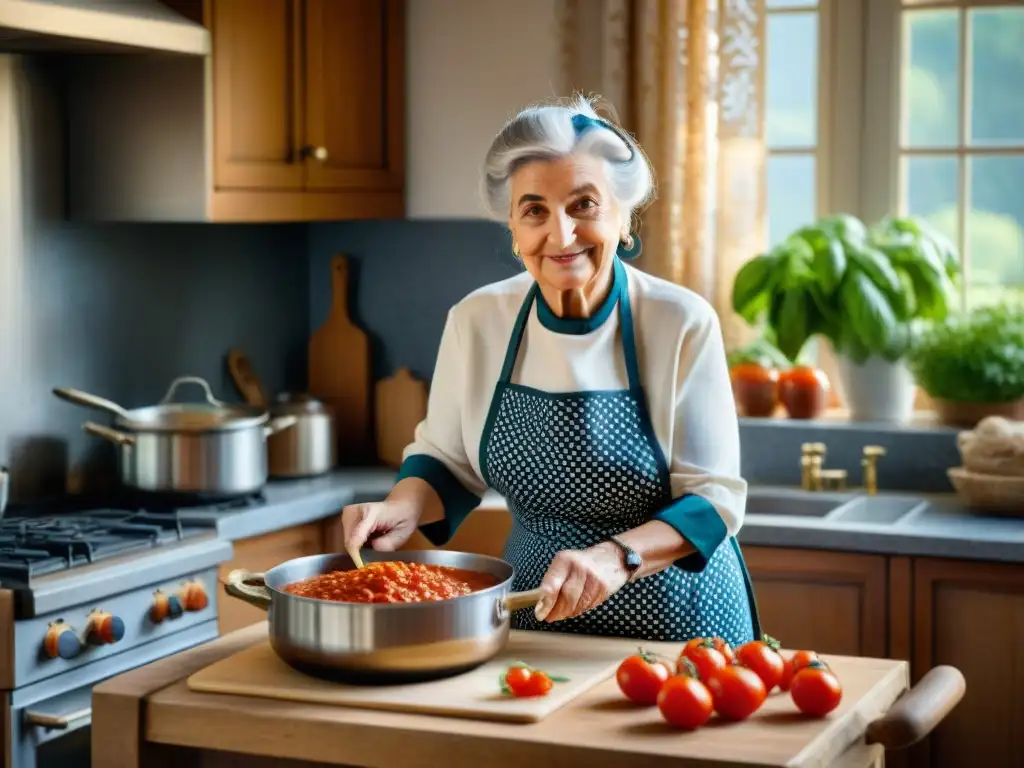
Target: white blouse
683, 371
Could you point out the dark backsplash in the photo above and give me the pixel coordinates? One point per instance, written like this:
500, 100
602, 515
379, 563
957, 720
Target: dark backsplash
122, 310
406, 275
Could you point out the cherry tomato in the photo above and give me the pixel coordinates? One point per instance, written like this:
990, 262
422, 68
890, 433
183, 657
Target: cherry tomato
755, 388
762, 657
524, 682
816, 690
737, 692
713, 642
640, 677
804, 392
705, 659
794, 664
685, 702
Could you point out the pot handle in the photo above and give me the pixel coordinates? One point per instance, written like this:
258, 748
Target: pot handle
78, 397
117, 438
514, 601
172, 390
280, 424
919, 710
254, 594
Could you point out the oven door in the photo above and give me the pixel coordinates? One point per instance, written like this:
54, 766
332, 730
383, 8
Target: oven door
52, 731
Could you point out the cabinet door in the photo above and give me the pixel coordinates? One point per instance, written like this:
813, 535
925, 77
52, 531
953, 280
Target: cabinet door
971, 616
354, 94
831, 602
257, 99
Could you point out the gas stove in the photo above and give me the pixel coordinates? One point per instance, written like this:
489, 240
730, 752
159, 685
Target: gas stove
90, 588
58, 536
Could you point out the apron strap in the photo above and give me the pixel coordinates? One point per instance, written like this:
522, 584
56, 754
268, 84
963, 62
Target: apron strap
516, 340
628, 335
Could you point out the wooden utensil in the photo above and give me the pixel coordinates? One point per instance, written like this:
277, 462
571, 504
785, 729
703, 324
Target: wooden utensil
245, 378
401, 404
257, 671
339, 370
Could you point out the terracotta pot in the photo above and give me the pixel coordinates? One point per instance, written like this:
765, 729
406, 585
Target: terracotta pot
967, 415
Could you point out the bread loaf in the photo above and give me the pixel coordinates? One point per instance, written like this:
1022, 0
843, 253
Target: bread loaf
994, 447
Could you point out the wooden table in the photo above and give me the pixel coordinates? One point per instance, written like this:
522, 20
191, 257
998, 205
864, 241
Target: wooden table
148, 718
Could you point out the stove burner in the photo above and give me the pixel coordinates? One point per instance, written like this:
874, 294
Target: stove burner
34, 546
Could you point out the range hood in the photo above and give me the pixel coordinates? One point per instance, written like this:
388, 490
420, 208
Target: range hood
86, 26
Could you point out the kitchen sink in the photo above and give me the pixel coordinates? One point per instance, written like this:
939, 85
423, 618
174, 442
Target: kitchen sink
794, 502
876, 510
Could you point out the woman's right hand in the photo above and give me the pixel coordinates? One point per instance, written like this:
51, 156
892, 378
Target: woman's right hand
385, 525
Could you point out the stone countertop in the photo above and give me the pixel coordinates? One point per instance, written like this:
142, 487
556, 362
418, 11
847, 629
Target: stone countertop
940, 526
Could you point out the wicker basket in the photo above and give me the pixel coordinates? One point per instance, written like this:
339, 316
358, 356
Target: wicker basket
997, 494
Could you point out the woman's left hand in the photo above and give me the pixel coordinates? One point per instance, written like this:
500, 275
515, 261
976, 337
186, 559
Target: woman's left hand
578, 580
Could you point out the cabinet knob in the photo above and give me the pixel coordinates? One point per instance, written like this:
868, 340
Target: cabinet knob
320, 154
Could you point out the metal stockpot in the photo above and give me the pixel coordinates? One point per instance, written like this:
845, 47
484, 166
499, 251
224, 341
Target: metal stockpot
383, 642
307, 448
208, 448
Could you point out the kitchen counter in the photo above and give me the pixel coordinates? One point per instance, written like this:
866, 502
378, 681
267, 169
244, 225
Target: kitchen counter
935, 525
150, 717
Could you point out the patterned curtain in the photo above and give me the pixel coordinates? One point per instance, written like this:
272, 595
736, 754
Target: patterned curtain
685, 77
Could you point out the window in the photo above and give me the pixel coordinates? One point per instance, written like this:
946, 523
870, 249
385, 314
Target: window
961, 135
791, 114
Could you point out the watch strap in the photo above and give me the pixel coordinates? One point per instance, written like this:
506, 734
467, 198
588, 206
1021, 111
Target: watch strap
633, 560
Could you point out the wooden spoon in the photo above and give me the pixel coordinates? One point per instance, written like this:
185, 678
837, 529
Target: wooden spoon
353, 552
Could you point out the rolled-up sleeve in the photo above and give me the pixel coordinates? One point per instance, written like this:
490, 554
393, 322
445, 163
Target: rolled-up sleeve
438, 454
709, 495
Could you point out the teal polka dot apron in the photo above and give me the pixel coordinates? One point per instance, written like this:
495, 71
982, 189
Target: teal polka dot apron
578, 467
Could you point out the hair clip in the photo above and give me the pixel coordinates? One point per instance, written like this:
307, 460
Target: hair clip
581, 123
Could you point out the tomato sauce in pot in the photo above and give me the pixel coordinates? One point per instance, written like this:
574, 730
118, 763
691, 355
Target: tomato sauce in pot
392, 582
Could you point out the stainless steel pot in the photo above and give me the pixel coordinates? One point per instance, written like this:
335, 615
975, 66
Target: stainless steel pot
390, 642
308, 448
5, 487
208, 448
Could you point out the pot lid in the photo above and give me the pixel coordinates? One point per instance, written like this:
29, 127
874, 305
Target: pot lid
212, 415
297, 404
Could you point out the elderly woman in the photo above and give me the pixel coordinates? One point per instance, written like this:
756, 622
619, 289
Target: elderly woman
593, 397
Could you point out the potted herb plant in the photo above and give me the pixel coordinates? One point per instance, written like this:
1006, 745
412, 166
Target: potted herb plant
861, 288
972, 365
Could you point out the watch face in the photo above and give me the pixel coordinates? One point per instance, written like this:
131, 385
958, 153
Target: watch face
633, 561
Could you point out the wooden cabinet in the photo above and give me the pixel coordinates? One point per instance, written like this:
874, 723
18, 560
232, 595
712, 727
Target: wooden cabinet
833, 602
971, 615
297, 116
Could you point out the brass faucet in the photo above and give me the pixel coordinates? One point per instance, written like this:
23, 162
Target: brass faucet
814, 477
870, 464
811, 460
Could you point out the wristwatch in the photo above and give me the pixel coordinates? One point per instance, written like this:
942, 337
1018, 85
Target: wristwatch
633, 561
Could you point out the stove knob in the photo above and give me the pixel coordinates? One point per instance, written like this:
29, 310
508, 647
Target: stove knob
61, 641
160, 608
174, 609
193, 596
105, 628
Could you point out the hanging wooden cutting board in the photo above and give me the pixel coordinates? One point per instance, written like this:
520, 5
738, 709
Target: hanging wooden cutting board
242, 373
339, 371
258, 671
401, 404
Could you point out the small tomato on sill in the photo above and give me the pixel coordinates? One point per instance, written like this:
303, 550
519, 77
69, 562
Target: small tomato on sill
804, 392
756, 388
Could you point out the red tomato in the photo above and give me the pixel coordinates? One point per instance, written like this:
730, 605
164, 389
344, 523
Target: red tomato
816, 690
640, 677
755, 388
705, 659
713, 642
685, 702
794, 664
524, 682
764, 660
737, 692
803, 392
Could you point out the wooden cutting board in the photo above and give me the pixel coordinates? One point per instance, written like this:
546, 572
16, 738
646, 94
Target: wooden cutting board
339, 371
257, 671
401, 404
